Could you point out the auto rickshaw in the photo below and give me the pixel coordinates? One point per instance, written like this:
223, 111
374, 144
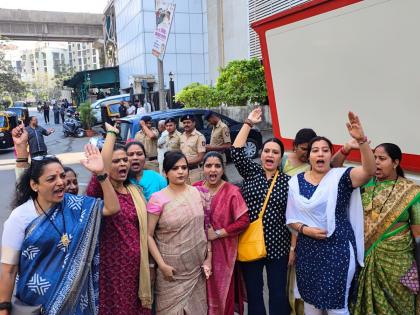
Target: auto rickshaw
22, 114
110, 111
8, 121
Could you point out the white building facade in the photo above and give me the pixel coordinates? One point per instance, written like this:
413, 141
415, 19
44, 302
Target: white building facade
205, 36
83, 56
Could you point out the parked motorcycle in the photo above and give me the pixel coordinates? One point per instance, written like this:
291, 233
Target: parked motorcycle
73, 127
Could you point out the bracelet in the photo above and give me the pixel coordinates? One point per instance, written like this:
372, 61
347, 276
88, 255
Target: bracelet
18, 160
112, 132
249, 122
344, 152
6, 306
365, 139
301, 228
292, 248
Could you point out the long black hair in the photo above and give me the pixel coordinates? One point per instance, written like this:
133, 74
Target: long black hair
316, 139
220, 157
394, 153
130, 144
23, 187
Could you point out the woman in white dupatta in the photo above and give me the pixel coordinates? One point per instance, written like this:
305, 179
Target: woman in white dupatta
325, 209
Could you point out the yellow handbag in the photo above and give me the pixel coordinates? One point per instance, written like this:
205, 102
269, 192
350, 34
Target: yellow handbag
251, 242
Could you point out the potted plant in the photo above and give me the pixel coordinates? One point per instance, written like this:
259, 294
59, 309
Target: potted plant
87, 118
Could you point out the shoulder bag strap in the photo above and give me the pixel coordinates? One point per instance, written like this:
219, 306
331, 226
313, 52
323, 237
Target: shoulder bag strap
268, 194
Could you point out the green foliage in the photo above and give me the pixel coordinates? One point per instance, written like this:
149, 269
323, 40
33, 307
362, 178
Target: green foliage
9, 82
198, 95
66, 72
86, 115
242, 81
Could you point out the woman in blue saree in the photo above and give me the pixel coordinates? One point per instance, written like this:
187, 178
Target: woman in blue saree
50, 240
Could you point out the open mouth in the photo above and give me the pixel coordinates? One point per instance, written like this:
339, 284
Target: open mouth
122, 172
269, 162
320, 163
135, 164
59, 192
212, 177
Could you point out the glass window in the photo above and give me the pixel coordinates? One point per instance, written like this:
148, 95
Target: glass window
3, 122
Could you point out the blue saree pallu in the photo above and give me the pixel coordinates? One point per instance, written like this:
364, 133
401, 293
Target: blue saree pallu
64, 280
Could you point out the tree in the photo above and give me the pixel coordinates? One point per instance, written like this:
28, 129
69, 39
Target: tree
242, 81
9, 82
198, 95
66, 72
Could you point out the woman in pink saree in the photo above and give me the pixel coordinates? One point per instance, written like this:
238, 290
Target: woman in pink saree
229, 217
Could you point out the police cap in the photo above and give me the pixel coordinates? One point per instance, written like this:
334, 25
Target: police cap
188, 117
170, 120
146, 118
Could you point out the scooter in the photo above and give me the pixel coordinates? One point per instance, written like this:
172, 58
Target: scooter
73, 127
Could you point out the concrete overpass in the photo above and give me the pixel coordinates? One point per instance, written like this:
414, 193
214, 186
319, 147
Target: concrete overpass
50, 26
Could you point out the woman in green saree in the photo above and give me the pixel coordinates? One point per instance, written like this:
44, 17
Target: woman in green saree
392, 226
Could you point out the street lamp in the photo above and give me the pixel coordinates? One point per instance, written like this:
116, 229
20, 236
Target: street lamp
171, 89
131, 93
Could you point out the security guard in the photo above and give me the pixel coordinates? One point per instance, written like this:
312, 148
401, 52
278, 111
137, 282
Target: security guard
173, 140
149, 135
193, 145
220, 134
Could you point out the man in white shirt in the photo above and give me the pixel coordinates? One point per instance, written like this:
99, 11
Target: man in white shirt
131, 110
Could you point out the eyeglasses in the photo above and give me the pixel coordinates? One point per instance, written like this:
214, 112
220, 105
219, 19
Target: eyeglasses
43, 157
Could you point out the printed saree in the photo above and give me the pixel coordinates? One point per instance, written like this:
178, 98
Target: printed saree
389, 248
64, 280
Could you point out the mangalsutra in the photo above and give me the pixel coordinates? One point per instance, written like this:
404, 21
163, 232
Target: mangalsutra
65, 239
386, 200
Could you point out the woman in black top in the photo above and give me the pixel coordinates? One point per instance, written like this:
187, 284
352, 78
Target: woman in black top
280, 253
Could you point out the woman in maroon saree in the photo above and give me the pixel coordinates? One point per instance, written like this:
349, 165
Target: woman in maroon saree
229, 217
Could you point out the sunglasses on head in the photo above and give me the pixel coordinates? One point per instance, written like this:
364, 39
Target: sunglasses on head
43, 157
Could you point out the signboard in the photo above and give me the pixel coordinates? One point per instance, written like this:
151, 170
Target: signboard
164, 15
326, 57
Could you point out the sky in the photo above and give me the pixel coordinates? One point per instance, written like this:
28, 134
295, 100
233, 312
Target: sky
88, 6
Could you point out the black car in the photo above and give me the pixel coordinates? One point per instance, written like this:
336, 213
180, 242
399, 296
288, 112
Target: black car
131, 124
254, 141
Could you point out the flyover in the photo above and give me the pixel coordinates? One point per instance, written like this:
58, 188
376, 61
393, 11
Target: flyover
50, 26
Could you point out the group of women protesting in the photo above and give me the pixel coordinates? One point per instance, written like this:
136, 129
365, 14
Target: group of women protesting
341, 239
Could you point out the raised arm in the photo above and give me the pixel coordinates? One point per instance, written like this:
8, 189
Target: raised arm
94, 163
108, 147
150, 133
253, 118
362, 174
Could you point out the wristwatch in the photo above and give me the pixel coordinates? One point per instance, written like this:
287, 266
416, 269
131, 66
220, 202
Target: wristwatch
218, 233
102, 177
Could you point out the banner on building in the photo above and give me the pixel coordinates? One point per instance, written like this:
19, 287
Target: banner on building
164, 15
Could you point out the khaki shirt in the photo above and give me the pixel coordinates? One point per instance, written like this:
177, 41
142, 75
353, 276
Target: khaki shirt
193, 144
173, 141
220, 134
150, 145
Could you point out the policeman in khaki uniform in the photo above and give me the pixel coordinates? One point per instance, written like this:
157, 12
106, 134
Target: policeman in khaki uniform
193, 145
173, 140
220, 134
149, 135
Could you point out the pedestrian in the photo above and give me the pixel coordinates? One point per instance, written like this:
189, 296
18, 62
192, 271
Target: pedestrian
131, 110
220, 134
148, 135
124, 276
229, 217
161, 144
147, 106
36, 135
122, 109
148, 180
392, 239
51, 239
56, 111
178, 243
173, 141
265, 190
140, 109
62, 112
324, 207
193, 145
46, 109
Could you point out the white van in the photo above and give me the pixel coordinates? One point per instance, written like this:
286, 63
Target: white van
96, 106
